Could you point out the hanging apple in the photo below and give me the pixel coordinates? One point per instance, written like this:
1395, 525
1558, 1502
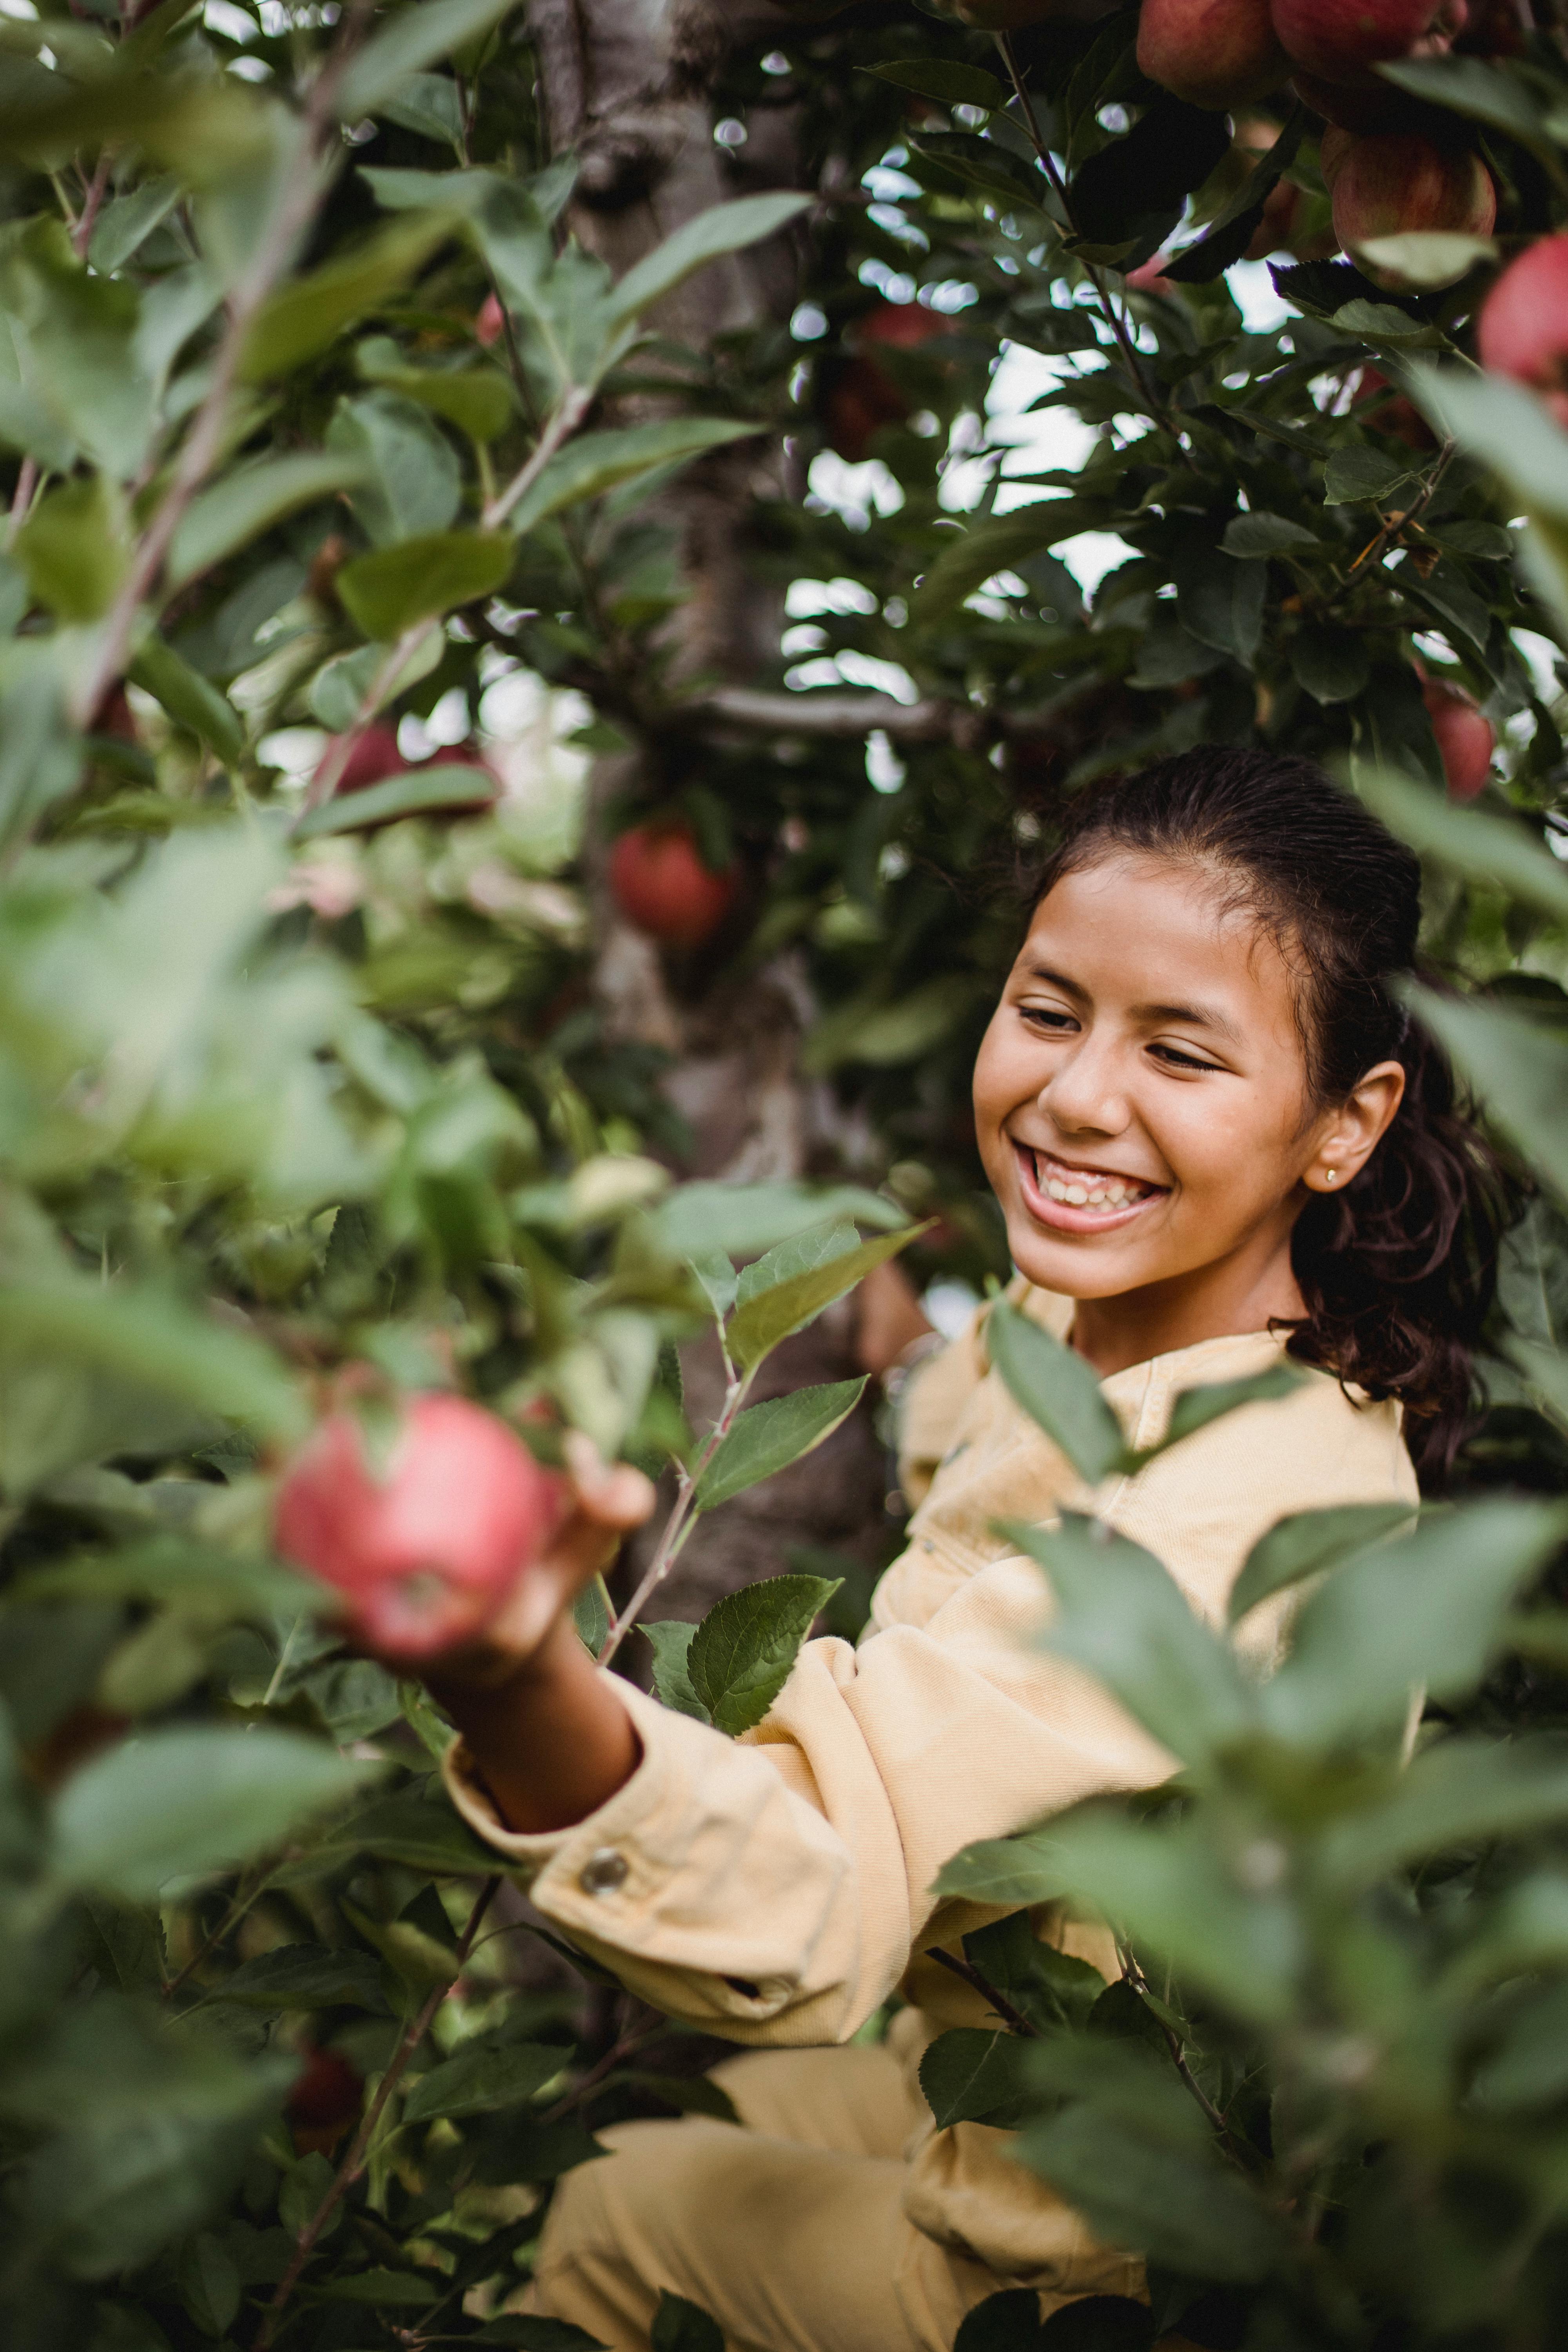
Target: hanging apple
1390, 184
1522, 330
1464, 736
425, 1538
661, 885
1340, 39
1213, 53
860, 396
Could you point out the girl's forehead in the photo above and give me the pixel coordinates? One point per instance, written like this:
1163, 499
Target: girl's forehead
1131, 920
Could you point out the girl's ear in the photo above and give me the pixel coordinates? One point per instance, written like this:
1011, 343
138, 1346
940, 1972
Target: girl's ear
1352, 1131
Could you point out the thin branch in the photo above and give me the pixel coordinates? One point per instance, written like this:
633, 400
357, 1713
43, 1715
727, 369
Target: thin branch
27, 483
575, 405
1401, 522
625, 2047
81, 236
678, 1525
988, 1992
1117, 325
203, 444
353, 2165
828, 714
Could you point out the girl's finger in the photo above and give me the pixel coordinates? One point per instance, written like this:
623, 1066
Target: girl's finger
612, 1494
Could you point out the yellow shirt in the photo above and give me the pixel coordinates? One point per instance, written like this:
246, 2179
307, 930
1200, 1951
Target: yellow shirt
776, 1888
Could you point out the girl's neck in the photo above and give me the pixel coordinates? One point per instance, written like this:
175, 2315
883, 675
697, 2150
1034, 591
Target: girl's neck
1245, 1293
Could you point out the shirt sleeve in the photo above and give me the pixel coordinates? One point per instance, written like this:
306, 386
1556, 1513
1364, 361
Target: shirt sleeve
774, 1887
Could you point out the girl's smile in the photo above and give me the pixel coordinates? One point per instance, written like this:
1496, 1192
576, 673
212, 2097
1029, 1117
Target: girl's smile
1077, 1200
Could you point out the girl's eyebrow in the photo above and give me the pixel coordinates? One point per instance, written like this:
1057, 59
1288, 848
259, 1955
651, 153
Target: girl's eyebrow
1200, 1016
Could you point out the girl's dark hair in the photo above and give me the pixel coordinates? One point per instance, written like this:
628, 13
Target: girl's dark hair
1399, 1270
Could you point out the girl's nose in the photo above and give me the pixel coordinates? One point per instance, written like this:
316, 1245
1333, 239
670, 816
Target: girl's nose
1086, 1093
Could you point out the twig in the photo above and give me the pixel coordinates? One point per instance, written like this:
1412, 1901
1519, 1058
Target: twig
1402, 522
353, 2165
22, 499
81, 236
623, 2047
1117, 325
237, 1908
1134, 1976
678, 1526
203, 443
988, 1992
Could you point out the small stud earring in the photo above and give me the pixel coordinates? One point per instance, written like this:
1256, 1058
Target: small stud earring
1330, 1175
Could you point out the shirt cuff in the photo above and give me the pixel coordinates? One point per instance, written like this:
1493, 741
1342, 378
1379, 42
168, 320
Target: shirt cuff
587, 1850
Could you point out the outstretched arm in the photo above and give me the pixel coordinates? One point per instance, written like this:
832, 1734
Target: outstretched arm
549, 1737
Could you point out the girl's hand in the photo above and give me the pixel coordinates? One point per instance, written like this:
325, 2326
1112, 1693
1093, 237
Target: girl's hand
607, 1500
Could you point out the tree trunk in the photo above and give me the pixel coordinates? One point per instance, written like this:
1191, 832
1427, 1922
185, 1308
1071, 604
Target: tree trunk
628, 84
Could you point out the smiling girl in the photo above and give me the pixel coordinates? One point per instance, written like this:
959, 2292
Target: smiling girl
1215, 1139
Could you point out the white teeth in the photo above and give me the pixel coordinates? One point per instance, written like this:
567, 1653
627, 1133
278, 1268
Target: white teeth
1078, 1195
1102, 1192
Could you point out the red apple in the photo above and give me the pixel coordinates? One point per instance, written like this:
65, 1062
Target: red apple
662, 886
1387, 186
426, 1544
1213, 53
489, 321
375, 757
905, 324
324, 2101
860, 395
1339, 39
1465, 738
1522, 330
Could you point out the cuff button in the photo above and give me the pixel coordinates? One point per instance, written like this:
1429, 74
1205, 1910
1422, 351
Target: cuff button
603, 1871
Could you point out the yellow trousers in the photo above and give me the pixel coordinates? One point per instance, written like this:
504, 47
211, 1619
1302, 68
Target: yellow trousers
790, 2231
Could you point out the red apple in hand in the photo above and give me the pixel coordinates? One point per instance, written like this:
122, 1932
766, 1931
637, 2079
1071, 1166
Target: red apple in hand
1523, 327
1465, 738
660, 884
426, 1544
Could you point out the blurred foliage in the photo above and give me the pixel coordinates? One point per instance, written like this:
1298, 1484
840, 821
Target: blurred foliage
292, 1078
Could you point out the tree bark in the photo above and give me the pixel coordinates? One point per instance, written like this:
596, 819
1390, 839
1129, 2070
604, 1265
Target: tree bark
628, 85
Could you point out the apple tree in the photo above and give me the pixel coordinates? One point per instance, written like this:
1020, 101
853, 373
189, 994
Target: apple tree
559, 563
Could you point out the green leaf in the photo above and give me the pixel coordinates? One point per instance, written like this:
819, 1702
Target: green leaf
722, 229
1489, 90
1262, 534
761, 1320
743, 1218
1048, 1987
590, 1615
125, 223
190, 700
944, 79
1471, 842
413, 483
1174, 2203
175, 1803
987, 166
1424, 257
387, 591
596, 462
422, 1832
417, 792
682, 2326
970, 556
1194, 1409
670, 1639
210, 2285
1356, 474
413, 39
1518, 1070
1305, 1541
1464, 1791
973, 2074
1169, 151
1423, 1612
768, 1437
1058, 1389
1332, 665
741, 1654
429, 104
74, 549
381, 2289
244, 504
487, 2074
1123, 1615
479, 400
308, 313
159, 1342
304, 1976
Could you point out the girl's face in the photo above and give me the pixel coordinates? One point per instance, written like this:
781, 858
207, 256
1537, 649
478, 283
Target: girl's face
1141, 1094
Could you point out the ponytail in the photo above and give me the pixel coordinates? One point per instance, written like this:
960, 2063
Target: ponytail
1399, 1270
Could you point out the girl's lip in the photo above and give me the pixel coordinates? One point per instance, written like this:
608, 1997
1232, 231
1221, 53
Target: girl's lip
1062, 1214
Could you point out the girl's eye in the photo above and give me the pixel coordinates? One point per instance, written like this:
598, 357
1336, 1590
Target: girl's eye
1174, 1058
1045, 1016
